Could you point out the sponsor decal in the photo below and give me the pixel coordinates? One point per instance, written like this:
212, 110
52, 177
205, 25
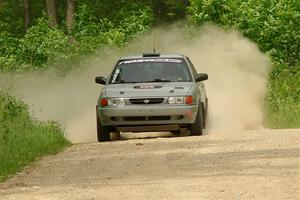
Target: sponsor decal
168, 60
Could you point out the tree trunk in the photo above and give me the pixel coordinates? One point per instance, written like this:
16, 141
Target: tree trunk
186, 3
26, 14
52, 12
70, 15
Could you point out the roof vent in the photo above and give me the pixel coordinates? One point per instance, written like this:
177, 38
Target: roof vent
151, 54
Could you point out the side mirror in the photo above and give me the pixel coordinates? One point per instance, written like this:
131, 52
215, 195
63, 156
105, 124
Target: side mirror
100, 80
201, 77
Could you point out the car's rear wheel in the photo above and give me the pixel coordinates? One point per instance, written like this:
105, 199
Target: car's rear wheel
103, 132
196, 128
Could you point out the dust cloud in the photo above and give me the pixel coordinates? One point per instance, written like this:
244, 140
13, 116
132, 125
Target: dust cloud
236, 86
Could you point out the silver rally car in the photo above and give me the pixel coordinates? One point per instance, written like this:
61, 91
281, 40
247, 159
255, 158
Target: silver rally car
152, 92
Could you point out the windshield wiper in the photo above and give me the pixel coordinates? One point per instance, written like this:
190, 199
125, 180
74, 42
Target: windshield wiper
130, 82
159, 80
152, 81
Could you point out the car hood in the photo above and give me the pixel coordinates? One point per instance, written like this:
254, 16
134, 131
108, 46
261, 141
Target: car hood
148, 89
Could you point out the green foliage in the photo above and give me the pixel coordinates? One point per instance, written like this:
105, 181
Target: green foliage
23, 139
91, 33
116, 10
283, 99
286, 116
8, 51
11, 108
41, 44
169, 11
274, 26
135, 21
285, 83
11, 17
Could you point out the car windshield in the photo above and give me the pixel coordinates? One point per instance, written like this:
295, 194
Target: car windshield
151, 70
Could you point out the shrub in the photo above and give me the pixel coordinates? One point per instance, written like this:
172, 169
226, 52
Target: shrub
8, 51
41, 44
23, 139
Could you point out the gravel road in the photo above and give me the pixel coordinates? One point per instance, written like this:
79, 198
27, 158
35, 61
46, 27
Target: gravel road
261, 164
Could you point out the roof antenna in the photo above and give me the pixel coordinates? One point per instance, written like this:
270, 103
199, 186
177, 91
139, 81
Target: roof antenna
153, 42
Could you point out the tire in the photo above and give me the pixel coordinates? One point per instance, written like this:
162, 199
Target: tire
205, 114
176, 133
115, 135
103, 132
196, 128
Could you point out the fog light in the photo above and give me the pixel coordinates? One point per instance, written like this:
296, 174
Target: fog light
189, 113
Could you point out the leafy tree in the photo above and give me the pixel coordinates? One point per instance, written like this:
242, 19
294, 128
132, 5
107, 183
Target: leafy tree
273, 25
11, 17
42, 44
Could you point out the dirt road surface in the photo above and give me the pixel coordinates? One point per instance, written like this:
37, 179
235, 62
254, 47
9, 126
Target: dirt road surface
235, 165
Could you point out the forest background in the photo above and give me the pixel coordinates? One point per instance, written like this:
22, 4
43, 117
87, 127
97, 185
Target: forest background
38, 35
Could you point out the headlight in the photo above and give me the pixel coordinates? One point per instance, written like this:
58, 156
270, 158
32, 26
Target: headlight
116, 101
176, 100
180, 100
112, 102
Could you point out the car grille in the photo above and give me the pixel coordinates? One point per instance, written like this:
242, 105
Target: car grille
147, 101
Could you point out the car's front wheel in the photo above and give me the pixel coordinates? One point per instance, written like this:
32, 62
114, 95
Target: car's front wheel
176, 133
103, 132
196, 128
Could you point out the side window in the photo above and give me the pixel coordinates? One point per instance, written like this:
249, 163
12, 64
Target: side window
192, 66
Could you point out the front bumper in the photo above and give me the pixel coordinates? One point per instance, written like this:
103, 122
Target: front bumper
148, 115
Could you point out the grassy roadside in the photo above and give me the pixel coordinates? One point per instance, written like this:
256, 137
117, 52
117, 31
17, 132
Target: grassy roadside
287, 116
23, 139
282, 107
